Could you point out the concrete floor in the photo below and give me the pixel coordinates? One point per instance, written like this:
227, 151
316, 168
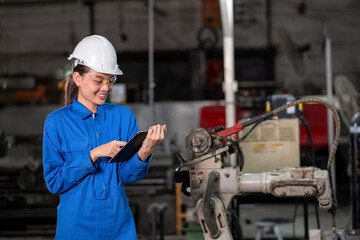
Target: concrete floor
251, 213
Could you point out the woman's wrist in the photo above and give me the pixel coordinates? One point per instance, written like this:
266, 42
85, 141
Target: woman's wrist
93, 156
144, 153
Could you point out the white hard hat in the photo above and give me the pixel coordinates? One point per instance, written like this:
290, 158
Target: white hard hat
97, 53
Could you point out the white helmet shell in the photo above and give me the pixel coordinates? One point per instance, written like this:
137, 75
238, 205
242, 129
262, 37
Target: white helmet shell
97, 53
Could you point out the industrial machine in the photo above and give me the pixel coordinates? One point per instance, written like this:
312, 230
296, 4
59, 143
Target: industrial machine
213, 176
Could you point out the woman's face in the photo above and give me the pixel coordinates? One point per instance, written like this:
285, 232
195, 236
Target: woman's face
94, 87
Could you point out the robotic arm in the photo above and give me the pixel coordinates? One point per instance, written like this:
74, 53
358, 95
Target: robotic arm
213, 184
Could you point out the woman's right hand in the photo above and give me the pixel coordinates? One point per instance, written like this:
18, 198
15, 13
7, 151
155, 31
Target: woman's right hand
106, 150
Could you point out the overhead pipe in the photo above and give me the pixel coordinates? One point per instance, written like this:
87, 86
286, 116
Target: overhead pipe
151, 62
329, 94
229, 84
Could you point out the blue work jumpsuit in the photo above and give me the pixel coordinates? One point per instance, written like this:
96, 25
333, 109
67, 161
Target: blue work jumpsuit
93, 204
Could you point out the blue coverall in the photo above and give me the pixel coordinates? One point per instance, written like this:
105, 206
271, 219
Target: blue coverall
93, 204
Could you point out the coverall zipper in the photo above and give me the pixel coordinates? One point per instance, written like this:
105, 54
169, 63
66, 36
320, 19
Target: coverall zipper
102, 177
98, 144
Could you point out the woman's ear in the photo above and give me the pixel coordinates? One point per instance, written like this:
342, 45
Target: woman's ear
77, 78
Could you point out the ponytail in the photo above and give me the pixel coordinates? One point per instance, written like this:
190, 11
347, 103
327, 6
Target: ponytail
70, 89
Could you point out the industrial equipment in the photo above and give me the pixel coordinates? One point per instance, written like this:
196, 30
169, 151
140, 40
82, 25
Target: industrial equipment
355, 166
213, 180
277, 141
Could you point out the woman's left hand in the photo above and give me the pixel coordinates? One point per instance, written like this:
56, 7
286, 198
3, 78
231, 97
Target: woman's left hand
154, 136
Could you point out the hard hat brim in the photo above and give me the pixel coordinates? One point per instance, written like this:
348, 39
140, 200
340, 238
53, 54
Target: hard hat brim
116, 71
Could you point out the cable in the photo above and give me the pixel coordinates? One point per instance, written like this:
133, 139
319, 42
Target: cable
294, 217
306, 125
335, 115
252, 128
312, 153
214, 231
241, 160
240, 155
317, 213
237, 225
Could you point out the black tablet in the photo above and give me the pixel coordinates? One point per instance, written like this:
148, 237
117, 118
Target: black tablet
130, 148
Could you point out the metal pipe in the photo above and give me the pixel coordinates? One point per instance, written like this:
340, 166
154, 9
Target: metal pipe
151, 61
253, 182
355, 166
229, 85
329, 91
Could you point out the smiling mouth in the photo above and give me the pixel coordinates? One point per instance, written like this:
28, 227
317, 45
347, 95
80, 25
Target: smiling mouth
102, 95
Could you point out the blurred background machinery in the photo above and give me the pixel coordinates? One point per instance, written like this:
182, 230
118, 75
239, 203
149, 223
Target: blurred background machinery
281, 53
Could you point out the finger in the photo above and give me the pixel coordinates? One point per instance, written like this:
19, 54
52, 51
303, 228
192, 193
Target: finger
114, 152
162, 131
158, 130
151, 131
155, 134
162, 135
163, 128
119, 143
114, 148
117, 148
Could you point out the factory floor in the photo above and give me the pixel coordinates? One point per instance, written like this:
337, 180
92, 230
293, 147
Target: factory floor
251, 214
284, 213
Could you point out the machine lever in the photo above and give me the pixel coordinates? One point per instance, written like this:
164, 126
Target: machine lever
240, 126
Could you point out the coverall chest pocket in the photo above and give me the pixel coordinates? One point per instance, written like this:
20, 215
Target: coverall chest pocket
78, 148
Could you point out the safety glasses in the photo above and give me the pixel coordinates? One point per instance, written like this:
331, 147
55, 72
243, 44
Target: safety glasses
100, 80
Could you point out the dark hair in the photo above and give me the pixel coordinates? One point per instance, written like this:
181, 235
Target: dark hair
70, 89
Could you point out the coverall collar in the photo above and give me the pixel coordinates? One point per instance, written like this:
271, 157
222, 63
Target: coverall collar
85, 113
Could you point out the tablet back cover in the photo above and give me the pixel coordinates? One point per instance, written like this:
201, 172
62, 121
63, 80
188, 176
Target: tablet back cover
130, 148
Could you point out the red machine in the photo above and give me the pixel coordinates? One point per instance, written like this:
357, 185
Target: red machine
314, 113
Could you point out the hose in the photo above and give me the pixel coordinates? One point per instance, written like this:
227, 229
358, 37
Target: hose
214, 231
333, 148
335, 115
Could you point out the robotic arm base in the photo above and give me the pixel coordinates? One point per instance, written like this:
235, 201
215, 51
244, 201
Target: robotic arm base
219, 215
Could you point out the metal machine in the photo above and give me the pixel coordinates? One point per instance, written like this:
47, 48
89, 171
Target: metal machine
213, 179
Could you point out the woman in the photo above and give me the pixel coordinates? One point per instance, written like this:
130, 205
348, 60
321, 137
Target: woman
81, 137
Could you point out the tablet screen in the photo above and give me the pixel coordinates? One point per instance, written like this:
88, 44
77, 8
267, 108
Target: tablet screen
130, 148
